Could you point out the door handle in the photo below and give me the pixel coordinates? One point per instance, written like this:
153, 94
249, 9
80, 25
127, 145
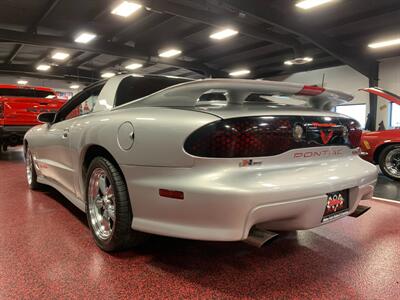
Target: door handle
65, 134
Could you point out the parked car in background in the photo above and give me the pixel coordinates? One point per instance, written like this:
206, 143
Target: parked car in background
19, 108
383, 147
209, 159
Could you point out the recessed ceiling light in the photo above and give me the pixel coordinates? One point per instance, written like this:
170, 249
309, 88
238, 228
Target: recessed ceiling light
22, 82
43, 67
133, 66
223, 34
85, 37
107, 75
170, 53
307, 4
60, 56
126, 8
74, 87
383, 44
239, 73
298, 61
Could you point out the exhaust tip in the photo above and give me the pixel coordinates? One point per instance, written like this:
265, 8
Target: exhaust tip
258, 237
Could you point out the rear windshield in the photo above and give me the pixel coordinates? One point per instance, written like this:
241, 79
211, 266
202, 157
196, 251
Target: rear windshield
29, 93
276, 100
133, 88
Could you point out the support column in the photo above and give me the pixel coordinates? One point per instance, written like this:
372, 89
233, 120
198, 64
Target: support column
373, 99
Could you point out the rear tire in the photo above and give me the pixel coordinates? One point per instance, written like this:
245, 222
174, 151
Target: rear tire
31, 174
389, 161
108, 207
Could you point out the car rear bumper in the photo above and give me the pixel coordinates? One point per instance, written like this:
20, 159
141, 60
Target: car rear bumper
13, 135
223, 203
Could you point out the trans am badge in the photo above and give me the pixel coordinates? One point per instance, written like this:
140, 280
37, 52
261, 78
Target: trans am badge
249, 163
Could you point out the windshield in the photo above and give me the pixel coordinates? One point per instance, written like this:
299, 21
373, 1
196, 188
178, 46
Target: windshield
28, 93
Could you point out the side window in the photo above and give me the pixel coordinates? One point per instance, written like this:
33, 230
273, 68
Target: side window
86, 104
132, 88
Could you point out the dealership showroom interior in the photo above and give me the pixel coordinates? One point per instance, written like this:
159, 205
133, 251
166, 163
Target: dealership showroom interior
208, 149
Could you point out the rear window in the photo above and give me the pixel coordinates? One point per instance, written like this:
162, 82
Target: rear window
133, 88
276, 100
29, 93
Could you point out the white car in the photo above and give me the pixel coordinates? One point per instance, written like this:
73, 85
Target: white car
210, 159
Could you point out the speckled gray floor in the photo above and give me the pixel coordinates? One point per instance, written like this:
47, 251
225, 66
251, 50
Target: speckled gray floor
387, 188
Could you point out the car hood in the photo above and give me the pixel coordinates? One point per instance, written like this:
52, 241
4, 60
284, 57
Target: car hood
384, 94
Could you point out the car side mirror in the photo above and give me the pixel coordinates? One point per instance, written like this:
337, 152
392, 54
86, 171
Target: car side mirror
47, 117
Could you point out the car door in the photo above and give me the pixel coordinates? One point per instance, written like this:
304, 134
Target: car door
55, 156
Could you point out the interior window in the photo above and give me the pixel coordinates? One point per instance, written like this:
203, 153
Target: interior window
133, 88
272, 99
395, 116
87, 103
355, 111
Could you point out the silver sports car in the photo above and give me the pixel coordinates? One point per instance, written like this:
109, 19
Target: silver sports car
210, 159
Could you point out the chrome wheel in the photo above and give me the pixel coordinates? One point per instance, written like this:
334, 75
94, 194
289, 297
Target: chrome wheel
392, 162
29, 167
101, 204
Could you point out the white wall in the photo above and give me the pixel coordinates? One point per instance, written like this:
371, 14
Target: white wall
346, 79
389, 76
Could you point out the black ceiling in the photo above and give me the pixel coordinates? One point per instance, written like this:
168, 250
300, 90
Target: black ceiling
270, 32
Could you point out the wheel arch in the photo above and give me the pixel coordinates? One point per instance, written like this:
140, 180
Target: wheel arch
94, 151
25, 146
380, 148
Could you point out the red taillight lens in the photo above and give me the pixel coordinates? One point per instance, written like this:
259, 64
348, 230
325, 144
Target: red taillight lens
355, 132
1, 110
244, 137
269, 135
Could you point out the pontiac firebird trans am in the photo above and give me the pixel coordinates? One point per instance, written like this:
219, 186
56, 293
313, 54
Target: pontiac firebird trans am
211, 159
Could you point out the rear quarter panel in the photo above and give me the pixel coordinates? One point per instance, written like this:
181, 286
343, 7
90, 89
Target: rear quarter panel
159, 135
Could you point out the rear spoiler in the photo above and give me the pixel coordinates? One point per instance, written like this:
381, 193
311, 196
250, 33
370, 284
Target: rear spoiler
238, 90
384, 94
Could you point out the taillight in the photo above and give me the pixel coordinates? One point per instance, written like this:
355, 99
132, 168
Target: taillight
1, 110
270, 135
245, 137
355, 132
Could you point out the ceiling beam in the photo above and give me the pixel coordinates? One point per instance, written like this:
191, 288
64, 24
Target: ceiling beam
218, 20
287, 21
50, 6
13, 54
163, 71
276, 64
116, 63
85, 60
113, 49
56, 72
302, 68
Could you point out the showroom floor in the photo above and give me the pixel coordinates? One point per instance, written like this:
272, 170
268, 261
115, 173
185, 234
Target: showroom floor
46, 249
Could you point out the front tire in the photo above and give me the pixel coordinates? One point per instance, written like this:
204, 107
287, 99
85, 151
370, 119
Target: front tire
108, 207
389, 161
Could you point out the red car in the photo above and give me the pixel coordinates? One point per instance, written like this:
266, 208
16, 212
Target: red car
383, 147
19, 108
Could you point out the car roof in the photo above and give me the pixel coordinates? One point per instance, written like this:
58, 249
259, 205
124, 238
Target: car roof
15, 86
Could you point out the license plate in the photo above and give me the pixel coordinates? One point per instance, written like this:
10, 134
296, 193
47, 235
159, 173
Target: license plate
337, 204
